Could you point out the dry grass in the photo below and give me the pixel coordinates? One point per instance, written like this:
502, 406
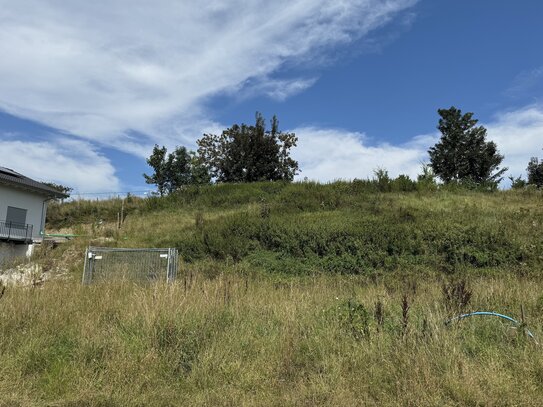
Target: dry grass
256, 341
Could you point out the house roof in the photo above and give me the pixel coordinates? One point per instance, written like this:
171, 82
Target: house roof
13, 178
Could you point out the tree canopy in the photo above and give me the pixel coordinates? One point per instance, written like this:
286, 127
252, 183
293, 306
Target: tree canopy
249, 153
61, 188
174, 170
463, 154
535, 172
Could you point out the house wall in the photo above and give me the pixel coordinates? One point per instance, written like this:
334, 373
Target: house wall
32, 202
9, 251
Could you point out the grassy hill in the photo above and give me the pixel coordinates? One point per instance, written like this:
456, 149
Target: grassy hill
304, 228
288, 294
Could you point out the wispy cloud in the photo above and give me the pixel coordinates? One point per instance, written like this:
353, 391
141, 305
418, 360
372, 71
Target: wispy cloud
280, 89
128, 74
526, 82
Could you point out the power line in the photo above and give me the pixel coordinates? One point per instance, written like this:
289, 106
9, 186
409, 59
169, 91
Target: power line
112, 193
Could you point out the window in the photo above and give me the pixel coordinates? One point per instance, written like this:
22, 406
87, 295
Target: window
17, 216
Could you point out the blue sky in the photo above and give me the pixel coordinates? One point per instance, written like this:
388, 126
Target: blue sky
87, 89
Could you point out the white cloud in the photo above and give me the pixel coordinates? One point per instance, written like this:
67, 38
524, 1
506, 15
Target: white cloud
106, 71
277, 89
69, 162
519, 136
328, 154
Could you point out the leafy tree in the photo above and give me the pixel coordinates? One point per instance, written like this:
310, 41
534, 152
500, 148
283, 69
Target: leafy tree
382, 180
517, 183
244, 153
427, 175
178, 169
61, 188
157, 161
174, 170
426, 180
199, 172
463, 154
535, 172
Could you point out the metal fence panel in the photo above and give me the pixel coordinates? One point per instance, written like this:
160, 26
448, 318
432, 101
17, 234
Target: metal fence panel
106, 263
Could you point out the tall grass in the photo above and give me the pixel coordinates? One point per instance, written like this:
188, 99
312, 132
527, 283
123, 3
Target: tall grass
236, 340
298, 196
289, 294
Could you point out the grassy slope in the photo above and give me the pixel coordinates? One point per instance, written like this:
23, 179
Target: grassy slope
341, 227
278, 307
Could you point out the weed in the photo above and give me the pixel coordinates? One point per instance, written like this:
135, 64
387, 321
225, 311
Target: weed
199, 220
405, 315
379, 314
456, 295
355, 319
265, 210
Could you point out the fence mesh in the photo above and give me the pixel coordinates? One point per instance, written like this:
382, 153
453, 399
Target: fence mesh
105, 263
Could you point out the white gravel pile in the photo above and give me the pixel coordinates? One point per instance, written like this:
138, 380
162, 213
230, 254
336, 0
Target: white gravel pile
28, 275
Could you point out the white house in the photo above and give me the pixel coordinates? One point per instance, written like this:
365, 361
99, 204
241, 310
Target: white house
23, 205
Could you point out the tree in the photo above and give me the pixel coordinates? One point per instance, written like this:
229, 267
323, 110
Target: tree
517, 183
178, 169
244, 153
426, 180
199, 172
535, 172
173, 171
427, 176
463, 154
157, 161
61, 188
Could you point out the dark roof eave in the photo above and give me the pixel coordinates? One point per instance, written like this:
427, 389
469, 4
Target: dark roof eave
45, 191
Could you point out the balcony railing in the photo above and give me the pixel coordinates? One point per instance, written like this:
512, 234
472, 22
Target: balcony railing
14, 231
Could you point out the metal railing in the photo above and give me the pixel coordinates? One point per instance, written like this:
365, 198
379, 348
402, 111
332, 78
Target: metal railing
15, 231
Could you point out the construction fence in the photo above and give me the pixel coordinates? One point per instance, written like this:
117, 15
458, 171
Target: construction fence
107, 263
